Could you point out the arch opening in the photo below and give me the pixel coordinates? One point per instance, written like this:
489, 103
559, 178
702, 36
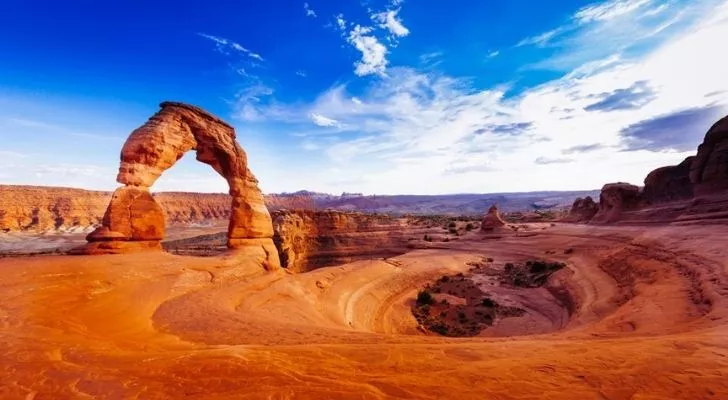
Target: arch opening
134, 221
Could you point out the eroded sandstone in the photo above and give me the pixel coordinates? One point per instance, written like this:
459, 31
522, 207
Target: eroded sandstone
133, 215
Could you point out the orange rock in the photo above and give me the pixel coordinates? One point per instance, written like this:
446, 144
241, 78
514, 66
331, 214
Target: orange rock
492, 220
132, 214
151, 149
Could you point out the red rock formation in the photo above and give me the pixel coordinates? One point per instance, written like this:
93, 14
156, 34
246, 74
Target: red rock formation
583, 210
709, 169
615, 199
155, 147
669, 183
491, 220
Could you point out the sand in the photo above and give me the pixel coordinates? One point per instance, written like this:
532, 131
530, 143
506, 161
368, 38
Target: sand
648, 322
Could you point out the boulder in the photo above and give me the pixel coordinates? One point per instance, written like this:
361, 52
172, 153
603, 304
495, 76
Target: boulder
583, 210
616, 198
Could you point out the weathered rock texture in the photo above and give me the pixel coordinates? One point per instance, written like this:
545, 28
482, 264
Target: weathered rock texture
155, 147
709, 169
491, 220
583, 210
669, 183
615, 199
307, 240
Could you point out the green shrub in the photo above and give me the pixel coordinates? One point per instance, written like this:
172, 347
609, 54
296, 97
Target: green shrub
488, 303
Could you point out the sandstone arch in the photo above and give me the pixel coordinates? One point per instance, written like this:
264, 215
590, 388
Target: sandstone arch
134, 220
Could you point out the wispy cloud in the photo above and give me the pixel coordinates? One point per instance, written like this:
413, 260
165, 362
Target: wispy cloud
224, 46
553, 160
636, 96
309, 12
419, 128
612, 27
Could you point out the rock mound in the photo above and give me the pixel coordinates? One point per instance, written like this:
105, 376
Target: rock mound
491, 220
616, 198
583, 210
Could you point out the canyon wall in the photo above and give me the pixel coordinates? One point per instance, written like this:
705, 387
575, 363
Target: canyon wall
42, 209
307, 240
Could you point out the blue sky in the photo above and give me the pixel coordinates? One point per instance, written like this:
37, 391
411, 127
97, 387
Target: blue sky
395, 96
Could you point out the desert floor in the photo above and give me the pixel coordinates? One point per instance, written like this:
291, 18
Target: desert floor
648, 321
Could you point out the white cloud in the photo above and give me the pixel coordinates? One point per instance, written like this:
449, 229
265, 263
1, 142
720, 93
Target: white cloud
301, 73
320, 120
223, 45
608, 10
309, 11
249, 101
615, 27
373, 53
341, 22
493, 54
389, 20
425, 132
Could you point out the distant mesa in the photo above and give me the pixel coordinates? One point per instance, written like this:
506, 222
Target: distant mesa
492, 220
134, 221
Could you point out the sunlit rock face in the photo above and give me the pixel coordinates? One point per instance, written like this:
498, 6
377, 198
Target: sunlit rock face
133, 215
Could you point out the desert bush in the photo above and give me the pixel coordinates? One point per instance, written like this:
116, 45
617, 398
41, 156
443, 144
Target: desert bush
469, 227
452, 224
488, 303
424, 298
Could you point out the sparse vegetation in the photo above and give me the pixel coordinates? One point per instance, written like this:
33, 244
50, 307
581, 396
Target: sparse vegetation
467, 317
531, 274
424, 298
469, 227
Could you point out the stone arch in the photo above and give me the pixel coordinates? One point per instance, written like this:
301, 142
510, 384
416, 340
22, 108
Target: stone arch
133, 219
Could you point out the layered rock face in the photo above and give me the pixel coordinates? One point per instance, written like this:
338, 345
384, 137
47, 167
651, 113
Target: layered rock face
491, 220
155, 147
42, 209
307, 240
615, 199
583, 210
